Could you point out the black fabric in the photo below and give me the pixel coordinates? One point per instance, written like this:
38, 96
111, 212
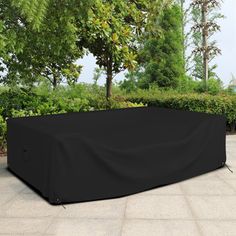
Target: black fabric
104, 154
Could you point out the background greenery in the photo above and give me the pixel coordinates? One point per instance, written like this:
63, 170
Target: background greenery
39, 49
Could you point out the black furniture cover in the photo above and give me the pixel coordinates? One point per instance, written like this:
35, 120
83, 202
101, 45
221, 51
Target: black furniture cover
104, 154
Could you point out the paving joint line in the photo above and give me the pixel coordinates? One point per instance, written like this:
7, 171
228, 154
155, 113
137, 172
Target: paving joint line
124, 217
192, 212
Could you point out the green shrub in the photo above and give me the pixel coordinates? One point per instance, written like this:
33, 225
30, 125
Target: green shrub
220, 104
214, 86
3, 130
23, 113
19, 99
42, 103
187, 85
101, 103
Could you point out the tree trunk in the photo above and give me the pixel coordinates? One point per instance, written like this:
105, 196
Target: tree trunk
183, 33
109, 78
54, 82
109, 87
205, 43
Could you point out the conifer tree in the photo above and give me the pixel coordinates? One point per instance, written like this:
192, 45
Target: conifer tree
206, 26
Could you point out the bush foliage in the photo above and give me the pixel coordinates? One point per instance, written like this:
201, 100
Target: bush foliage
3, 130
219, 104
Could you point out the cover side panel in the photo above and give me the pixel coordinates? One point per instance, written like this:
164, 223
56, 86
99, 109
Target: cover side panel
29, 156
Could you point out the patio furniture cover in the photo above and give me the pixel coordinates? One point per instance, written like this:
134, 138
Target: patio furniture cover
87, 156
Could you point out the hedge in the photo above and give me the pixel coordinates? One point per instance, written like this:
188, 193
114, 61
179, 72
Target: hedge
220, 104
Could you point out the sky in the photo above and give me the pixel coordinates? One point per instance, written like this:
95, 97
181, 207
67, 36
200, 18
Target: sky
226, 41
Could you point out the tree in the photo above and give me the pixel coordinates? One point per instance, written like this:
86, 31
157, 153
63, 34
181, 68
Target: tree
35, 11
161, 58
207, 26
110, 33
8, 38
49, 51
186, 34
97, 74
109, 29
197, 58
110, 36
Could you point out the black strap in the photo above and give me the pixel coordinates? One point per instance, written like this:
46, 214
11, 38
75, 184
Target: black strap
60, 203
229, 168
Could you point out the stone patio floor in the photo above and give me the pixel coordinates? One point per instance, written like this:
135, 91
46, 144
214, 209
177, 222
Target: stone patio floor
205, 205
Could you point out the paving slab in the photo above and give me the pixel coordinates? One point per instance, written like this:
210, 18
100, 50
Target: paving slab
232, 183
31, 205
84, 227
10, 184
23, 226
218, 228
134, 227
207, 187
111, 209
213, 207
157, 207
